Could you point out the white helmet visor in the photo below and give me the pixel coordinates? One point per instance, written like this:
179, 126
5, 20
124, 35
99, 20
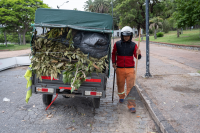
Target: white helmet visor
126, 33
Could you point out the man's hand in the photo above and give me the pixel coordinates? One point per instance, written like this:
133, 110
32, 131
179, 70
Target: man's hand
114, 66
138, 52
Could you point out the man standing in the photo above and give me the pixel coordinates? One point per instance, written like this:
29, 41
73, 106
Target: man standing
125, 49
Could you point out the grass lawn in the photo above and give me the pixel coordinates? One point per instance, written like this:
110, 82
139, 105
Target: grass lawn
187, 38
13, 47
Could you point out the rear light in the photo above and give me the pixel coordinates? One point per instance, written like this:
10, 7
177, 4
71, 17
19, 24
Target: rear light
66, 88
49, 90
48, 78
93, 93
93, 80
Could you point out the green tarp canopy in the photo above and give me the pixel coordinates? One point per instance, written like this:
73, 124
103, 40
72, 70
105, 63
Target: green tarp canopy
80, 20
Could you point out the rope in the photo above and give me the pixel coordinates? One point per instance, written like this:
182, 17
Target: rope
52, 101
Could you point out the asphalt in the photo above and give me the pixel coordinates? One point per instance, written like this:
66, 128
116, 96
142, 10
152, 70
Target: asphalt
75, 115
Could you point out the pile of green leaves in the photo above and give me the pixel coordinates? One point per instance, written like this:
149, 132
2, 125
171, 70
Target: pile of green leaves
76, 73
52, 57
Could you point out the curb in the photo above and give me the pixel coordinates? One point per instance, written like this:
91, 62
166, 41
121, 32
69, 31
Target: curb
7, 63
191, 47
155, 113
4, 50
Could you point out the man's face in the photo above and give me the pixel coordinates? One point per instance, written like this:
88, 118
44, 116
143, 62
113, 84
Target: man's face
126, 38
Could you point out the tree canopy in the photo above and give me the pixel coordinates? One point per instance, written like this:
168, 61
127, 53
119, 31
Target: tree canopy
187, 12
99, 6
132, 12
17, 15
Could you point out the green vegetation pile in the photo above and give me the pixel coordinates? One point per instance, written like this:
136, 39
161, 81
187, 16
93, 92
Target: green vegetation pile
51, 57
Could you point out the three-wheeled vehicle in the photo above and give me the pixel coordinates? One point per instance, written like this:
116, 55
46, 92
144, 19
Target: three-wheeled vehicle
95, 84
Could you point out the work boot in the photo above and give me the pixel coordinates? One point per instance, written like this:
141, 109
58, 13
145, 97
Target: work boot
132, 110
121, 100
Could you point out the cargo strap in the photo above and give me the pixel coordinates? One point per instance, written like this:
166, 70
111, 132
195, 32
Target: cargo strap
28, 76
52, 101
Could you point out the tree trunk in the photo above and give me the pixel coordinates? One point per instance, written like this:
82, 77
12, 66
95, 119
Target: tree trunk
24, 39
5, 37
177, 32
20, 39
155, 36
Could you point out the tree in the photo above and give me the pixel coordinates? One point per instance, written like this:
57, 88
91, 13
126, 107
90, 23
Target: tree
99, 6
132, 12
2, 40
166, 26
75, 9
89, 6
18, 15
102, 6
187, 13
156, 22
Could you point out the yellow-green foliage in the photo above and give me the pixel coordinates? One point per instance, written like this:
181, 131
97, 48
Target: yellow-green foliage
52, 57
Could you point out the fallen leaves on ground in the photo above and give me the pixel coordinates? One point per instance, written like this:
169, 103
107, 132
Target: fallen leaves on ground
69, 127
49, 116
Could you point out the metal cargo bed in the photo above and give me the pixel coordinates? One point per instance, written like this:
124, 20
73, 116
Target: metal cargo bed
94, 83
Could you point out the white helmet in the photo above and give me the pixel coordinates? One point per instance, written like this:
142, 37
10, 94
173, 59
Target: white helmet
127, 31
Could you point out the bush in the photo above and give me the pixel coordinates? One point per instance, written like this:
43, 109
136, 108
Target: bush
8, 45
160, 34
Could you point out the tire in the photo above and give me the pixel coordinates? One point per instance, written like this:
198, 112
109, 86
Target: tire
65, 96
47, 98
96, 102
68, 92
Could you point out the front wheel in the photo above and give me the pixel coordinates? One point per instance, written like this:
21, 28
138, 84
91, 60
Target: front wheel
96, 102
47, 98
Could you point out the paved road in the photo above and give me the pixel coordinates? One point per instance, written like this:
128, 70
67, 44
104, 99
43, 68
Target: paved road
7, 54
172, 89
66, 114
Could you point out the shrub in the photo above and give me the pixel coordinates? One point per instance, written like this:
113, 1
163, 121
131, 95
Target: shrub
8, 45
160, 34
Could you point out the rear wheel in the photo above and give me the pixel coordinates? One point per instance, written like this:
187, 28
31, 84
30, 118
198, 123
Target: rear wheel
68, 92
47, 98
96, 102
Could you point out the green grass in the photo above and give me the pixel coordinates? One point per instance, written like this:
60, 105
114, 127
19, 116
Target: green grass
12, 47
187, 38
198, 71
